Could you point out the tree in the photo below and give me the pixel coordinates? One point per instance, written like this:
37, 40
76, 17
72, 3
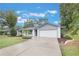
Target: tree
13, 32
29, 23
43, 20
2, 22
11, 19
69, 20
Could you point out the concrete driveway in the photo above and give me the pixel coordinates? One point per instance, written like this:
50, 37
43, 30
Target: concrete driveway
33, 47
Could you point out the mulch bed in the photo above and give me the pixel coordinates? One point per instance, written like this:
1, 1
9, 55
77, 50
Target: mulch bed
61, 40
69, 42
73, 43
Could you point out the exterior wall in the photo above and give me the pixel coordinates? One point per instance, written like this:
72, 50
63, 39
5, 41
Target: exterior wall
59, 32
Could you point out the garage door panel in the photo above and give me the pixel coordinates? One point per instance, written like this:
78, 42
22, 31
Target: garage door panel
48, 33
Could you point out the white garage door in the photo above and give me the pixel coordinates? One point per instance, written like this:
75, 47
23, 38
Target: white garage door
48, 33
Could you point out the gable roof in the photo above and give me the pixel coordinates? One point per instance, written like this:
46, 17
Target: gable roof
48, 27
47, 24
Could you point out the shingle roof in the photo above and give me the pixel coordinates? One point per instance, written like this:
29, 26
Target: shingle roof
29, 28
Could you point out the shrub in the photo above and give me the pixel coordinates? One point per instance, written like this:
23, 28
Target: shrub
1, 32
67, 37
26, 37
13, 32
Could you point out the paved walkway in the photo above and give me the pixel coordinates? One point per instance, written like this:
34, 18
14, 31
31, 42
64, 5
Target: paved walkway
33, 47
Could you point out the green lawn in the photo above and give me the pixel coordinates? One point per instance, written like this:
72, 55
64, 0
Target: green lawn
7, 41
70, 49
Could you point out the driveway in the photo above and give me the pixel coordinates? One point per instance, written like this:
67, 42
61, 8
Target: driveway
36, 46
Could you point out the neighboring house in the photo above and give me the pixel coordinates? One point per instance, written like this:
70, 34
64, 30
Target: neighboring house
45, 30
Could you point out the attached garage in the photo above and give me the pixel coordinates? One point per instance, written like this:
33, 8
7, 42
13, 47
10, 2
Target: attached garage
49, 30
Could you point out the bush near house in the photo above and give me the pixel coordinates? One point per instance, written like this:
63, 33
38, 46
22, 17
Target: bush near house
13, 32
1, 32
26, 37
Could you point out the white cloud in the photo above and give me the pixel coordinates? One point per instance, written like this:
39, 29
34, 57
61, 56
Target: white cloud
25, 15
18, 12
37, 14
56, 22
20, 20
52, 11
24, 20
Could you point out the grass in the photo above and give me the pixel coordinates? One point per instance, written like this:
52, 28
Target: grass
71, 49
7, 41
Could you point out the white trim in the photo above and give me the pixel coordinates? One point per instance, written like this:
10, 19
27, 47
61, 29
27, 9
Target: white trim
33, 32
59, 32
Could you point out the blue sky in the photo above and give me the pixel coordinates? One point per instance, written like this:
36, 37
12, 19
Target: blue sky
34, 10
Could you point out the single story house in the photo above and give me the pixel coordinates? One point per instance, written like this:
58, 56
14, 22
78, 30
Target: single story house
45, 30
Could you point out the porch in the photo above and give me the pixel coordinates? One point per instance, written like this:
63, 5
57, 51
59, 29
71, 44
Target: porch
30, 32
